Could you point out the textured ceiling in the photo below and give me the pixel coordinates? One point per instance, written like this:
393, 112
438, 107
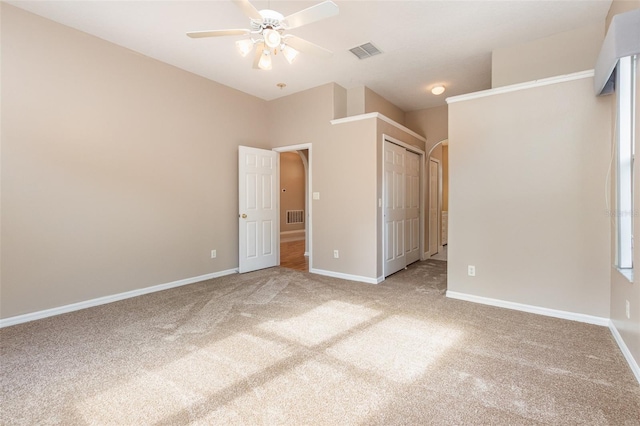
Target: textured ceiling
423, 42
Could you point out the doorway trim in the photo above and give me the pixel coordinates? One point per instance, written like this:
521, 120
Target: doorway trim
428, 254
438, 206
308, 200
421, 153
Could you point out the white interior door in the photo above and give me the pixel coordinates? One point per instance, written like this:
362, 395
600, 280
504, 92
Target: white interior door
434, 187
394, 208
258, 209
412, 207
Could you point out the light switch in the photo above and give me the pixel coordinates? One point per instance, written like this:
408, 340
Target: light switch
316, 195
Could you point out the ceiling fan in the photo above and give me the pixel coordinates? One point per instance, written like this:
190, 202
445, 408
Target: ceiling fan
267, 32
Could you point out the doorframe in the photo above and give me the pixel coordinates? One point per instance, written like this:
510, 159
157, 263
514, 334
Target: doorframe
443, 142
438, 207
421, 153
308, 197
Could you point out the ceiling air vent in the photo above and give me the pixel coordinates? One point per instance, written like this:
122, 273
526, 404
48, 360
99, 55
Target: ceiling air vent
365, 51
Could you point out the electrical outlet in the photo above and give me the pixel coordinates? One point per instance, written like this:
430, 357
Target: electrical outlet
628, 309
213, 254
471, 270
336, 254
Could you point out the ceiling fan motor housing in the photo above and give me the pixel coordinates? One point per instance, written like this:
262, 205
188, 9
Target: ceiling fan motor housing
270, 28
270, 20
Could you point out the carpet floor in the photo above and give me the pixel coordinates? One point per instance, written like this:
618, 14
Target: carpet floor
285, 347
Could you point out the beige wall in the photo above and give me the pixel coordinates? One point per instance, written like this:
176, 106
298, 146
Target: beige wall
376, 103
340, 101
621, 289
343, 161
292, 191
562, 53
118, 172
355, 101
346, 212
527, 173
432, 123
362, 100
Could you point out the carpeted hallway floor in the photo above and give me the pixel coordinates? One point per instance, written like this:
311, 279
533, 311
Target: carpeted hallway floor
285, 347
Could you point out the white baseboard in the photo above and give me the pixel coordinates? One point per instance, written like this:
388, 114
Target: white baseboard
625, 351
347, 276
589, 319
19, 319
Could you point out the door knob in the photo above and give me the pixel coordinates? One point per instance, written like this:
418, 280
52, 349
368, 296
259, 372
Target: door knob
244, 216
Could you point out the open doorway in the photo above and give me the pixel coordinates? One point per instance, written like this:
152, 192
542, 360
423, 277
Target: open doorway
294, 211
438, 200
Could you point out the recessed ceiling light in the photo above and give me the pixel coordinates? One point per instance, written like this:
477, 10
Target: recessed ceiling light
437, 90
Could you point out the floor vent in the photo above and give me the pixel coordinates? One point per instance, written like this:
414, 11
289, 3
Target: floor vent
365, 51
295, 216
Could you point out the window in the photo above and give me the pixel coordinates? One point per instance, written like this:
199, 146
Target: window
625, 135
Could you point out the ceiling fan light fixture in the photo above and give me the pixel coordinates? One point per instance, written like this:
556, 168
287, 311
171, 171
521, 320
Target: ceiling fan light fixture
437, 90
268, 32
244, 46
265, 61
272, 38
290, 54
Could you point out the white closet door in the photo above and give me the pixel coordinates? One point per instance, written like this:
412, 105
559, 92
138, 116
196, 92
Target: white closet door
412, 207
394, 208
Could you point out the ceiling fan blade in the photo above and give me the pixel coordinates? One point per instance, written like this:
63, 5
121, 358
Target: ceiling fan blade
258, 54
217, 33
311, 14
248, 9
305, 46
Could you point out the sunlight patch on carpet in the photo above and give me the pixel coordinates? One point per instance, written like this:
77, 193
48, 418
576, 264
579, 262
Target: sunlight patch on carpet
398, 348
314, 392
145, 399
223, 363
322, 323
189, 380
